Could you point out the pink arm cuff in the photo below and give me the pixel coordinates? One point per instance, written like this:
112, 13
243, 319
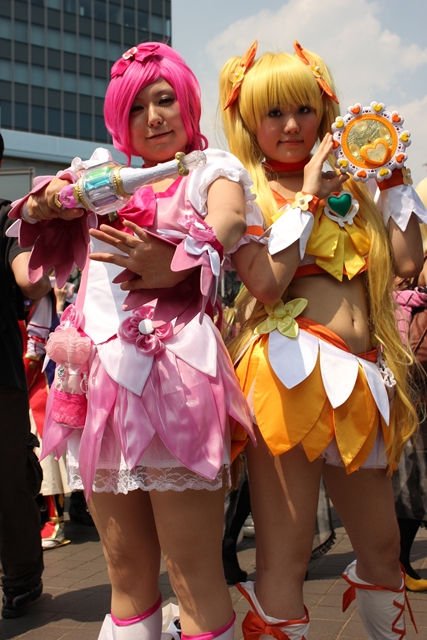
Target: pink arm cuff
201, 248
58, 244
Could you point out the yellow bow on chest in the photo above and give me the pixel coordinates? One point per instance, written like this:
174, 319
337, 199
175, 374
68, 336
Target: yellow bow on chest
339, 240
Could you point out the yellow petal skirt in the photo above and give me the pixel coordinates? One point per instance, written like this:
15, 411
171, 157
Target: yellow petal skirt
303, 415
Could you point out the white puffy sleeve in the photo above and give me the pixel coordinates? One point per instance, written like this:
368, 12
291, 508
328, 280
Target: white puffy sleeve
222, 164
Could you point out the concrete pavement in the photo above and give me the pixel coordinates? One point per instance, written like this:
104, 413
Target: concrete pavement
76, 593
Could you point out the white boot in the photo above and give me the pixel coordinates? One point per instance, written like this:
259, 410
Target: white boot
228, 634
258, 622
106, 632
147, 627
225, 633
381, 609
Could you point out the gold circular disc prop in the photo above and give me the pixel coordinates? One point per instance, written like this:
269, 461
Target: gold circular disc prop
370, 142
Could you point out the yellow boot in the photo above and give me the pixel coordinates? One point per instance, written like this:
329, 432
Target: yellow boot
415, 584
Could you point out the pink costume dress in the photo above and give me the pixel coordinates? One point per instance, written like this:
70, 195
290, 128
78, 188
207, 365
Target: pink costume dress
160, 385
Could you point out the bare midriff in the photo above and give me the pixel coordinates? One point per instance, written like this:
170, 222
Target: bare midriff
342, 307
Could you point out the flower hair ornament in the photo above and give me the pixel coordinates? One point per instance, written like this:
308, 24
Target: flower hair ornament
141, 53
316, 71
246, 61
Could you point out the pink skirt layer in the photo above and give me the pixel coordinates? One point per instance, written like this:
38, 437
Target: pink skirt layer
182, 416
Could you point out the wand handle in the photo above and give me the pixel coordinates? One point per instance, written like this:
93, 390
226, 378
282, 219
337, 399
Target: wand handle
106, 187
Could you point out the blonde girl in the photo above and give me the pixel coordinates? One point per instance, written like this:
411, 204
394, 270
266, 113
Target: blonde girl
319, 357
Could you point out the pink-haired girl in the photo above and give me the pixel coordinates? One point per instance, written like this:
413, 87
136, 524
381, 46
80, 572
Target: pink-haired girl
153, 448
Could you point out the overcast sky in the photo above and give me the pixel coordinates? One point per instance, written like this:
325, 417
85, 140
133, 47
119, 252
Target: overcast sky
376, 50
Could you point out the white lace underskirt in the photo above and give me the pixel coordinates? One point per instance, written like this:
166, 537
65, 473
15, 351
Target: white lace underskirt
148, 479
168, 474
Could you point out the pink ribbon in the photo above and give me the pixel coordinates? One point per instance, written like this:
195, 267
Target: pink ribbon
141, 208
141, 53
147, 334
200, 248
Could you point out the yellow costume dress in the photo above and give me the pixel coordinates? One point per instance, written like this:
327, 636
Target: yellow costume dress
304, 385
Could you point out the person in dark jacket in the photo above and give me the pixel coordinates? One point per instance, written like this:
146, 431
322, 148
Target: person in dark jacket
20, 474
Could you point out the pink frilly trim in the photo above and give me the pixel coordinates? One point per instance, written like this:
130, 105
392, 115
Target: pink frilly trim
58, 245
188, 410
68, 345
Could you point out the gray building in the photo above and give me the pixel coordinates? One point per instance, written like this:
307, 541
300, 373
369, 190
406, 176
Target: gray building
55, 57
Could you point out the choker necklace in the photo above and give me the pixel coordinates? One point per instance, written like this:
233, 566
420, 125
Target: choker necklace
275, 166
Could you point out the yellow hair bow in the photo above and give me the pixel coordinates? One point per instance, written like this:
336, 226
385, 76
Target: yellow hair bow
246, 61
316, 71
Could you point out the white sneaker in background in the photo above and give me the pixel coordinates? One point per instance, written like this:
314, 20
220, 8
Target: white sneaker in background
53, 534
248, 527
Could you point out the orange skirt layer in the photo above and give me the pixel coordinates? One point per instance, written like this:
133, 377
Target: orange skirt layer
303, 415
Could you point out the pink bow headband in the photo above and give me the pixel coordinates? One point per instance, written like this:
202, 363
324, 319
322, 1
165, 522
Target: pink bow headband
141, 53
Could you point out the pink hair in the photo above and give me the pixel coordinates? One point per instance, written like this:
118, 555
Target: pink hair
129, 76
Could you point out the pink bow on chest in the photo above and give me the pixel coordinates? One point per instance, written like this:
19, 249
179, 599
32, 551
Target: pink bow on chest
141, 208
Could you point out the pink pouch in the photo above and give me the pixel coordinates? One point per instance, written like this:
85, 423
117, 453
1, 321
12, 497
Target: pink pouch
71, 350
69, 408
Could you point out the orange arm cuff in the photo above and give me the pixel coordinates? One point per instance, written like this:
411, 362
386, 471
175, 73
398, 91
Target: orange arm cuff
395, 180
314, 204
